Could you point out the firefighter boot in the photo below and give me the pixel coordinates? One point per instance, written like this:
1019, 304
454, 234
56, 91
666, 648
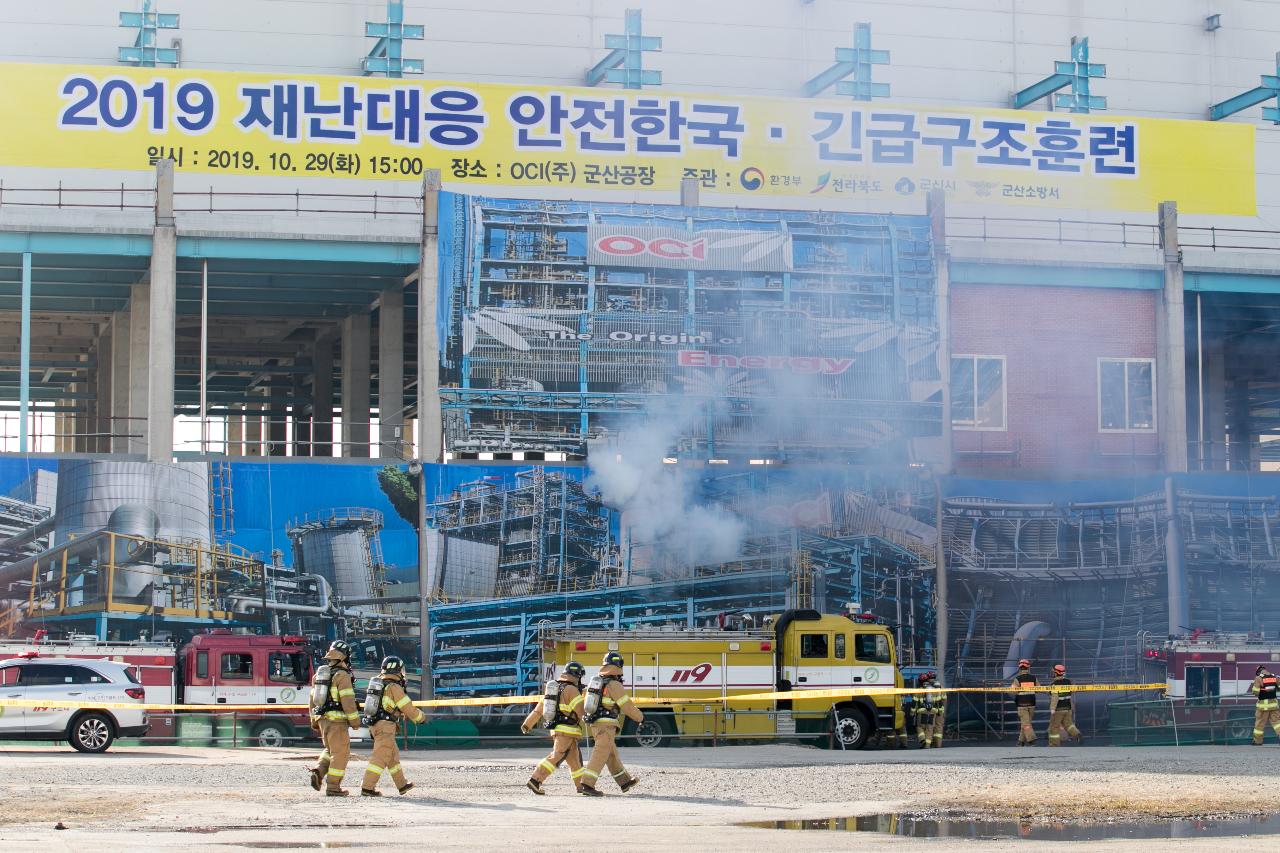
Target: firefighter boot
335, 792
589, 791
366, 792
405, 788
317, 778
535, 786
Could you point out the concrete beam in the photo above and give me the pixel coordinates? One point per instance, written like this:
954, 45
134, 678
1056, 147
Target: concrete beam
356, 329
391, 437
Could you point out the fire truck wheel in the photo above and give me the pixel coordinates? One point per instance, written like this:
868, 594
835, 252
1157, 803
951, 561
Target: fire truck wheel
652, 732
91, 732
850, 728
272, 734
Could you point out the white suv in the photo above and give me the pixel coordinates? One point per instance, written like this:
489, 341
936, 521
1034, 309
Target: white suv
33, 679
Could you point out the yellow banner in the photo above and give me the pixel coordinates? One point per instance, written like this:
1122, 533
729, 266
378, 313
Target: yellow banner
96, 117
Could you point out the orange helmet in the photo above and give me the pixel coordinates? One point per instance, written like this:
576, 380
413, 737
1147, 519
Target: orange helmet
1059, 669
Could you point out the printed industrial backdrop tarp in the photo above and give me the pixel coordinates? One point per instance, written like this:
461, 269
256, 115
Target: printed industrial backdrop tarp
740, 332
507, 135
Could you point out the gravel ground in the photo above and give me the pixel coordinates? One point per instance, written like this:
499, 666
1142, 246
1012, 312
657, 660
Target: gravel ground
689, 798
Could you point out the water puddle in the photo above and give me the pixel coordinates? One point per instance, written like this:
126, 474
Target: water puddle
943, 825
288, 845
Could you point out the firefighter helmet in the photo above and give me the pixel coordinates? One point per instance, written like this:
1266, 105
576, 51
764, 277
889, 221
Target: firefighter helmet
1259, 670
1059, 669
575, 670
392, 665
1024, 664
339, 649
613, 659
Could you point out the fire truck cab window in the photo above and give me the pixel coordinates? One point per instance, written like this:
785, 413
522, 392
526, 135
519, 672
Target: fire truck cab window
202, 664
287, 667
1203, 682
813, 645
237, 665
872, 648
9, 676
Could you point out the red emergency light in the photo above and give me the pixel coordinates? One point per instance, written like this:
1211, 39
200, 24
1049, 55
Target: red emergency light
766, 646
579, 647
292, 640
29, 655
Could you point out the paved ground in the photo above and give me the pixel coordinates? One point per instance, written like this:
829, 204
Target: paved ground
175, 798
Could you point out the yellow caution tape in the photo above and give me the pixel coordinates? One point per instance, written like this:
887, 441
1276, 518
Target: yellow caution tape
482, 701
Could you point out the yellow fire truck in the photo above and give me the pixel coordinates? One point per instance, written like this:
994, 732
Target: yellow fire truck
797, 651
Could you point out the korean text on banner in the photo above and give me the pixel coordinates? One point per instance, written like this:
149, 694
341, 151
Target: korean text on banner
94, 117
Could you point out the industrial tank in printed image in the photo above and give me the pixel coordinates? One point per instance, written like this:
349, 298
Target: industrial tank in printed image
340, 545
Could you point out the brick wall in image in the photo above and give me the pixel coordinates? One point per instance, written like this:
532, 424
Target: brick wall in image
1052, 338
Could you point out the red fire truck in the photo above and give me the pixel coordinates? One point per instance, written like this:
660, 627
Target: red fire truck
214, 668
1209, 675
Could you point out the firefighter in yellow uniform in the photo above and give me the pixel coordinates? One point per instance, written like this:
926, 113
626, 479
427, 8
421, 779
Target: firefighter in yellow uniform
333, 714
560, 711
606, 701
1266, 711
385, 705
1025, 700
1060, 721
932, 707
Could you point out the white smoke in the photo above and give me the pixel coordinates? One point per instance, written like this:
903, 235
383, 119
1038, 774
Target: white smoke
660, 502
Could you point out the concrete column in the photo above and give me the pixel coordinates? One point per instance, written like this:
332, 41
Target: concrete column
1171, 348
104, 370
164, 310
120, 321
301, 417
356, 329
277, 425
322, 397
430, 428
1215, 406
139, 365
253, 429
81, 423
235, 432
942, 283
391, 435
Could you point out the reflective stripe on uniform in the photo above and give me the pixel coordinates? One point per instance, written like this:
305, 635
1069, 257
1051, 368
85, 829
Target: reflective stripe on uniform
335, 715
565, 709
404, 700
394, 770
578, 773
577, 700
333, 771
325, 756
624, 700
373, 768
347, 692
547, 766
568, 730
593, 774
620, 773
353, 716
610, 721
